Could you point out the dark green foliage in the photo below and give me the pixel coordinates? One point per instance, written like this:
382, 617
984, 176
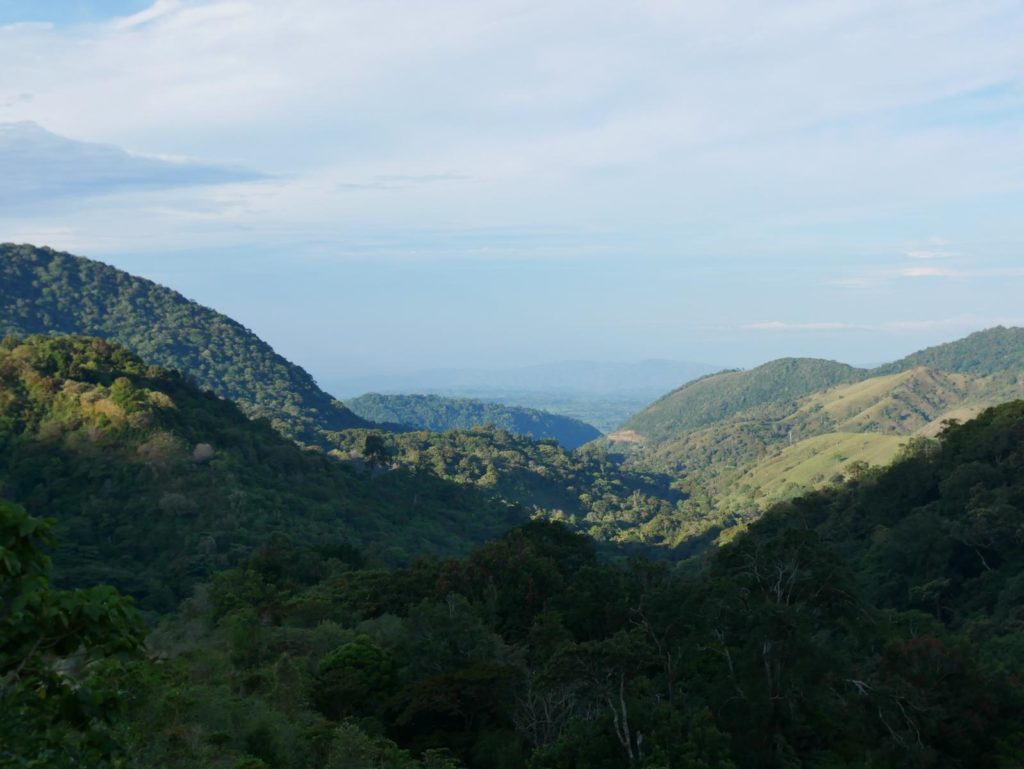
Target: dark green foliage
154, 484
986, 352
436, 413
715, 397
354, 679
872, 624
940, 531
47, 292
875, 625
59, 682
583, 488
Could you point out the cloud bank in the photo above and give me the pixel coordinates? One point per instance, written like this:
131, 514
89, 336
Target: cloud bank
41, 169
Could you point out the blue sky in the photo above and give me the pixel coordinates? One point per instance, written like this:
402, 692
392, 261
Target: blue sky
377, 185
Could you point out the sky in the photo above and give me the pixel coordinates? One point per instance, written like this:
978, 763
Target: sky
382, 186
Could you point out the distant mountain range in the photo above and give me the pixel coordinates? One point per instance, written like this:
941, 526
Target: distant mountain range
601, 394
438, 414
647, 378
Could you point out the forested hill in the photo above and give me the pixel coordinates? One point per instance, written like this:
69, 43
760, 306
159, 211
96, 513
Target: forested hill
983, 353
719, 396
155, 484
47, 292
438, 414
583, 488
739, 441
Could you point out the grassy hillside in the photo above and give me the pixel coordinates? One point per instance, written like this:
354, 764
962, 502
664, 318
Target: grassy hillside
436, 413
717, 397
734, 468
47, 292
813, 462
154, 484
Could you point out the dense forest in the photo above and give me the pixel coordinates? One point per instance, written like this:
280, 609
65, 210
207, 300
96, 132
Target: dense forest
48, 292
585, 489
876, 623
718, 396
438, 414
991, 351
154, 484
137, 465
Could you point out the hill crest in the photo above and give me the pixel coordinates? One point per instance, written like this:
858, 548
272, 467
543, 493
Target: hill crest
43, 291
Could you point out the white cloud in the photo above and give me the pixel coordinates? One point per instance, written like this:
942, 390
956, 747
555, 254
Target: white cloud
155, 11
930, 253
640, 117
929, 272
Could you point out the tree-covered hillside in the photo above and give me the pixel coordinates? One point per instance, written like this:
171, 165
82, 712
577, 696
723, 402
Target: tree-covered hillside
719, 396
155, 484
47, 292
877, 624
438, 414
584, 488
991, 351
732, 469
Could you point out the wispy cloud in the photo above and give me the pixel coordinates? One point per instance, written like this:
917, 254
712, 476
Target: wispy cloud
930, 253
958, 322
933, 248
962, 274
400, 181
929, 272
778, 325
159, 9
41, 169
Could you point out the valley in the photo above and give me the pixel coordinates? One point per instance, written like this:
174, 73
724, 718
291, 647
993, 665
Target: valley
413, 579
511, 385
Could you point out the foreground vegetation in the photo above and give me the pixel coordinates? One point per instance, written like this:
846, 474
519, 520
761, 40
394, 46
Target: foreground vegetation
154, 484
875, 624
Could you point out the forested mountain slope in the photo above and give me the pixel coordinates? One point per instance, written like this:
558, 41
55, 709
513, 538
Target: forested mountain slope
875, 624
47, 292
583, 488
993, 350
735, 466
155, 484
718, 396
438, 414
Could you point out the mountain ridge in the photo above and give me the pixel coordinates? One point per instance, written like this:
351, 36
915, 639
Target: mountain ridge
139, 466
52, 292
734, 459
439, 414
